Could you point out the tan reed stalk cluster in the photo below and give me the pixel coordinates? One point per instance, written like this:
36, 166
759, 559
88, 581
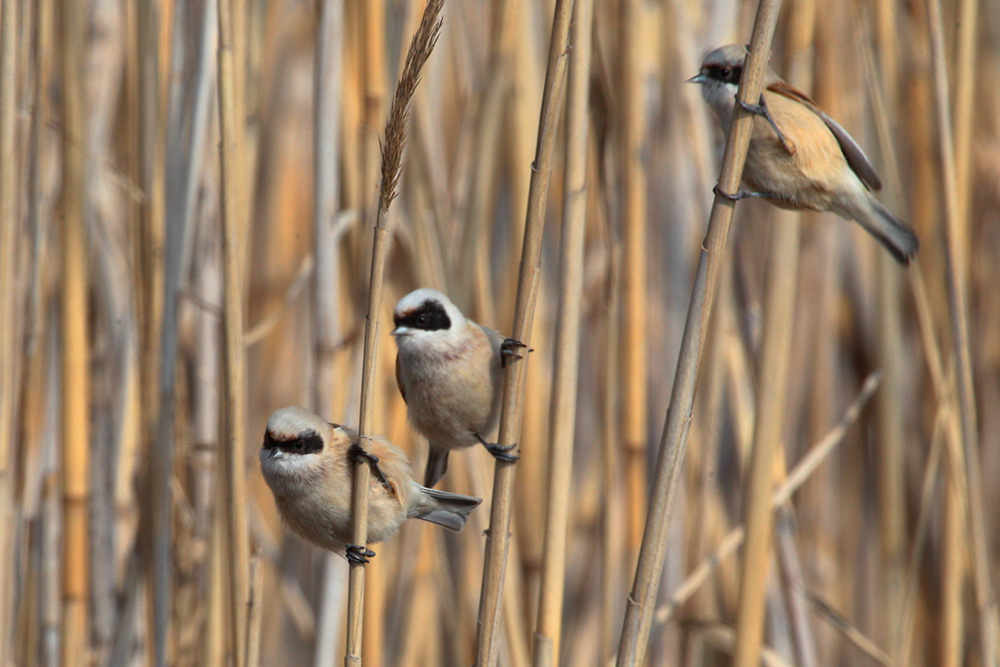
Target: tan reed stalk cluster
187, 195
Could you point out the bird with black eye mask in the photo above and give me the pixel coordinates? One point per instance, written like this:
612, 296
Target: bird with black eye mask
449, 370
308, 463
799, 157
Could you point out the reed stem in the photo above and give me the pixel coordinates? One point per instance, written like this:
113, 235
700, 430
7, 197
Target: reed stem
567, 345
639, 607
234, 211
394, 141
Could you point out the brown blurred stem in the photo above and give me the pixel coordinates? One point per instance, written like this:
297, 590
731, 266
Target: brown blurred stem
8, 332
634, 296
957, 267
497, 537
234, 211
639, 609
567, 352
75, 379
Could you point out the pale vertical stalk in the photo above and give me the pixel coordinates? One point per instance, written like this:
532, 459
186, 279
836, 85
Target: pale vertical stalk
957, 267
612, 532
234, 210
205, 404
255, 603
326, 291
634, 307
497, 536
189, 108
956, 552
771, 392
151, 180
392, 149
326, 146
954, 566
772, 386
966, 62
892, 505
669, 464
374, 72
562, 423
75, 380
8, 294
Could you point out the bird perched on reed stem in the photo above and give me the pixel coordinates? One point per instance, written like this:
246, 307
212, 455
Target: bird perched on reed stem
448, 369
309, 465
799, 157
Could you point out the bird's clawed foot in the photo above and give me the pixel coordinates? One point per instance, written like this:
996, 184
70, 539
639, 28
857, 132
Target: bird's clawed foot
740, 194
508, 349
761, 110
359, 454
499, 452
358, 554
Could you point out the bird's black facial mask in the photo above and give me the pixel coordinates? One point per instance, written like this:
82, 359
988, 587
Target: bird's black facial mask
307, 442
430, 316
724, 73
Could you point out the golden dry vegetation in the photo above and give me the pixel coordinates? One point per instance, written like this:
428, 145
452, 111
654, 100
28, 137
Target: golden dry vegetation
186, 245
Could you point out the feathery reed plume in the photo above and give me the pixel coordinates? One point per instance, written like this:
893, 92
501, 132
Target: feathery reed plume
639, 607
392, 151
8, 234
232, 162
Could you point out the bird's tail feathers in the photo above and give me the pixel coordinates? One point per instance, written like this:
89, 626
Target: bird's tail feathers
437, 465
450, 510
896, 236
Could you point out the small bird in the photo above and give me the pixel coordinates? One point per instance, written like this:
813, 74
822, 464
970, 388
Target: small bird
308, 463
448, 369
799, 157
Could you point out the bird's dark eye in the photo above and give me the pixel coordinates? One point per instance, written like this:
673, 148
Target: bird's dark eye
422, 319
724, 72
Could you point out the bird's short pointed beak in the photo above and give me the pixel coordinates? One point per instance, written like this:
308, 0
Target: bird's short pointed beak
271, 453
697, 78
401, 331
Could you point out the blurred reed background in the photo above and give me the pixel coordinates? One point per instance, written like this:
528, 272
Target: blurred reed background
125, 329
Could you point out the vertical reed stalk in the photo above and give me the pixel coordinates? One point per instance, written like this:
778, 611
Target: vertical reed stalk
327, 82
771, 392
326, 148
612, 534
234, 210
892, 475
152, 181
639, 609
634, 307
75, 381
957, 267
512, 411
562, 422
8, 294
966, 43
394, 141
772, 383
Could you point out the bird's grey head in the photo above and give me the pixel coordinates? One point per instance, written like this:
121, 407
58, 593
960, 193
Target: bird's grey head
426, 314
292, 434
719, 77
